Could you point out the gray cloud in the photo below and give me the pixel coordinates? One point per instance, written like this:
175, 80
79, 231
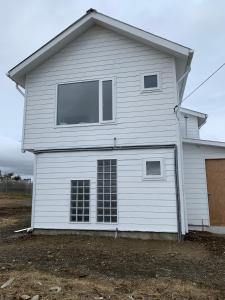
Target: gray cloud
13, 160
200, 24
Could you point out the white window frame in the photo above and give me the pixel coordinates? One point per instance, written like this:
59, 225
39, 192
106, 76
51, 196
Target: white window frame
69, 206
101, 121
154, 177
159, 81
101, 101
96, 216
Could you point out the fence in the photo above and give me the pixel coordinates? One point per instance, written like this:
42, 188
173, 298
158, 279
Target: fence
17, 187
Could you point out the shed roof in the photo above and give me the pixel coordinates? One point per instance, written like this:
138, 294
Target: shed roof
204, 142
201, 116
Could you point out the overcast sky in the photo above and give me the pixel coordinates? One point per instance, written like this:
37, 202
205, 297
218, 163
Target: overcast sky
26, 25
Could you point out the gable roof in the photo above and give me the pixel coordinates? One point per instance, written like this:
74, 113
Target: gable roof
201, 116
182, 54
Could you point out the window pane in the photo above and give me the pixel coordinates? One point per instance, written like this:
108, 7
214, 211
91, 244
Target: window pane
150, 81
106, 191
78, 103
79, 204
153, 168
107, 100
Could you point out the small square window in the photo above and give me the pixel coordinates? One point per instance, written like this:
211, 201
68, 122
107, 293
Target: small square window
151, 82
153, 169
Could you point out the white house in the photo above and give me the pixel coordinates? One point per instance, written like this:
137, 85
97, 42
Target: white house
114, 151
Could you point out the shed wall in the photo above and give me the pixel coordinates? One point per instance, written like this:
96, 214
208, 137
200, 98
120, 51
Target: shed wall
195, 184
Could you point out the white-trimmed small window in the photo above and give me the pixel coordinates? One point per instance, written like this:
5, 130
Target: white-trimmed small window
153, 169
151, 82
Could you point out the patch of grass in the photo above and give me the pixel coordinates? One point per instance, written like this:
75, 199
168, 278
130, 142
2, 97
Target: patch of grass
34, 282
15, 196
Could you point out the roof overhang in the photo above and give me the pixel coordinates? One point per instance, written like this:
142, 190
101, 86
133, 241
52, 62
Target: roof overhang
182, 54
204, 142
201, 116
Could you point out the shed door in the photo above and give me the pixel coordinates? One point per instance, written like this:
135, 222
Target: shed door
215, 173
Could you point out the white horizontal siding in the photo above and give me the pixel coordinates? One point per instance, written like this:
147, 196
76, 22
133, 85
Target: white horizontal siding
143, 205
192, 130
195, 181
141, 118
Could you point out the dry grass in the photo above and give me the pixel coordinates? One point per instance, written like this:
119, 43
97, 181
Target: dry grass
13, 196
33, 283
5, 222
104, 268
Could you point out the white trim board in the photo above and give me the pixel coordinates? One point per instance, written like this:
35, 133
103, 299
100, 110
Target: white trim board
204, 142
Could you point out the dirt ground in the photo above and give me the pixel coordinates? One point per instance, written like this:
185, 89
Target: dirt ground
105, 268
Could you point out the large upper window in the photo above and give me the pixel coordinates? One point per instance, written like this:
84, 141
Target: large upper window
85, 102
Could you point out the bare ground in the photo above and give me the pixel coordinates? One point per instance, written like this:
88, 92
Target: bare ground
105, 268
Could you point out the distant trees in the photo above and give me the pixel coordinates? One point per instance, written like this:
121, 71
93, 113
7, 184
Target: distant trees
9, 176
16, 178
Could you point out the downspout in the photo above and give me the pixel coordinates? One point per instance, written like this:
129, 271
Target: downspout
180, 80
186, 125
176, 109
20, 91
179, 227
24, 96
30, 229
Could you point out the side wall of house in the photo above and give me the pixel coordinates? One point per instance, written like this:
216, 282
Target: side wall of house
141, 118
143, 205
189, 126
195, 184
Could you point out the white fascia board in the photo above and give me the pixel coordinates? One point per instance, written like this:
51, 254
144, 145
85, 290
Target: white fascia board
144, 36
193, 112
53, 45
204, 142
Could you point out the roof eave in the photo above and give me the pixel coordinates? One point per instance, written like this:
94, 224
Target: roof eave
18, 72
204, 142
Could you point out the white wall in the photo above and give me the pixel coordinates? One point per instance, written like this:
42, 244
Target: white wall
141, 118
191, 122
143, 205
195, 184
